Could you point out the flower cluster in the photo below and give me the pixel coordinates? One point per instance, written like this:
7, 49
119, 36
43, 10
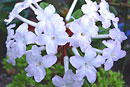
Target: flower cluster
50, 33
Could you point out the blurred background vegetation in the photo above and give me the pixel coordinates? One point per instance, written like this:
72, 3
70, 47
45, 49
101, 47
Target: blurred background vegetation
16, 76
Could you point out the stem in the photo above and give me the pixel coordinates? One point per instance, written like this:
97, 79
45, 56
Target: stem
59, 48
101, 36
71, 10
120, 5
38, 6
66, 63
65, 53
26, 20
33, 8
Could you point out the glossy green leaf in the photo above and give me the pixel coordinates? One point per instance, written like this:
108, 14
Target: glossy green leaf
113, 10
43, 5
77, 14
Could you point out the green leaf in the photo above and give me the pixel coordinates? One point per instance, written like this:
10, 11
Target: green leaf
129, 2
70, 52
77, 14
98, 44
108, 79
103, 30
80, 52
113, 10
7, 65
86, 83
43, 5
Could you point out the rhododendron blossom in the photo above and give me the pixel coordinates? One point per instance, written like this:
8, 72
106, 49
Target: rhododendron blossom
51, 35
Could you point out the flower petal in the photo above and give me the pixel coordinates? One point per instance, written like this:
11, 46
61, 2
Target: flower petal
58, 81
74, 40
49, 60
30, 38
84, 42
49, 10
77, 61
75, 27
51, 47
30, 69
62, 38
39, 74
68, 77
90, 54
108, 64
98, 61
122, 54
91, 74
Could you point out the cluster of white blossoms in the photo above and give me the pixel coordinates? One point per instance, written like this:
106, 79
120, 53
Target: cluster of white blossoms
50, 32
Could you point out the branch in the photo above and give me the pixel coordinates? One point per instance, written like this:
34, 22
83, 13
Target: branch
120, 5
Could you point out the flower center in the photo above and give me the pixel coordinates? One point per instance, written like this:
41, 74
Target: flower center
86, 65
38, 64
53, 38
82, 34
113, 54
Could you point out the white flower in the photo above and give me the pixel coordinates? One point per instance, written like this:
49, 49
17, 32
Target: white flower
91, 9
10, 32
37, 64
83, 29
11, 52
48, 15
16, 43
112, 53
67, 81
116, 34
106, 16
23, 35
52, 37
86, 65
22, 38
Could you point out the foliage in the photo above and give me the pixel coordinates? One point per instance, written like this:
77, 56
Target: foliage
20, 64
21, 80
108, 79
43, 5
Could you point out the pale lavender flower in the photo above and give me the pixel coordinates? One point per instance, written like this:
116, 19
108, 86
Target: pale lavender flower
23, 35
83, 29
37, 64
11, 52
116, 34
86, 66
107, 16
52, 37
48, 15
112, 53
10, 32
91, 10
